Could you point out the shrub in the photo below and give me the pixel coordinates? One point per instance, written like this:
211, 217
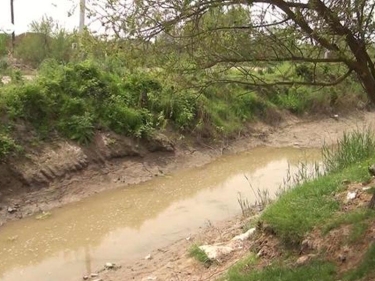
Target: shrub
7, 146
294, 100
122, 119
79, 128
180, 107
248, 105
30, 103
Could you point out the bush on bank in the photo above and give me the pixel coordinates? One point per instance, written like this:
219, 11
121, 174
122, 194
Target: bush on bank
75, 99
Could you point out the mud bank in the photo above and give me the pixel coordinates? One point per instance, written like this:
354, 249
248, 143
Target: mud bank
63, 172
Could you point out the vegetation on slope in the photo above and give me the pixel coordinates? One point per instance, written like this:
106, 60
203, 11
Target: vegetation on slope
135, 88
317, 212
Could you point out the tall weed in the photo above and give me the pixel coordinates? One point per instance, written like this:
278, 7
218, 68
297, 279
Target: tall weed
353, 147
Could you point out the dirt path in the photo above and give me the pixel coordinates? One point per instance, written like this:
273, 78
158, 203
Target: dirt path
70, 173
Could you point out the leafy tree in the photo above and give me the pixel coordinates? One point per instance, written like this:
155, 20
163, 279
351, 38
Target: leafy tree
46, 39
332, 38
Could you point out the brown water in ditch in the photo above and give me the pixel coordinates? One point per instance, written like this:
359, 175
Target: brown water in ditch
126, 223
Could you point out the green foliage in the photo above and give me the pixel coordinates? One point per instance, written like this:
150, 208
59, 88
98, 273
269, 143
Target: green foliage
79, 128
248, 105
239, 269
7, 146
199, 255
351, 148
304, 72
30, 103
313, 271
46, 40
4, 39
293, 99
3, 67
79, 96
122, 119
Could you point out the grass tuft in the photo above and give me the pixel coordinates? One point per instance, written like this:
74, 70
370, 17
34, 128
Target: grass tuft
199, 255
298, 210
352, 148
314, 271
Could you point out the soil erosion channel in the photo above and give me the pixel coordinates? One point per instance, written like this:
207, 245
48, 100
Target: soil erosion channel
127, 223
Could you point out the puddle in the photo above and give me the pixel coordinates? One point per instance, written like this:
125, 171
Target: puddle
126, 223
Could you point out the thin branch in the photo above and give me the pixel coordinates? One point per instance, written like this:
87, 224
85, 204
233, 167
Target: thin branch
288, 83
283, 59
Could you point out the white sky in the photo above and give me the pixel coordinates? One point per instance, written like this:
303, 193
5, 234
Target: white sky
26, 11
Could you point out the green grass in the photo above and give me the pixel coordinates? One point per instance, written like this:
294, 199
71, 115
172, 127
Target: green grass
365, 268
242, 266
312, 204
351, 148
199, 255
298, 210
352, 218
314, 271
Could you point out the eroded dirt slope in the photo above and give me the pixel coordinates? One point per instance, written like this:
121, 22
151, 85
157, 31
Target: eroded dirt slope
63, 172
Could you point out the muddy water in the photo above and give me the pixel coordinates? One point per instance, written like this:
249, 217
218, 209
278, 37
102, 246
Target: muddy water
125, 223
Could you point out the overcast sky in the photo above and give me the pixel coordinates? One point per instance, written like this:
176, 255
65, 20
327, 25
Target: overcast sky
26, 11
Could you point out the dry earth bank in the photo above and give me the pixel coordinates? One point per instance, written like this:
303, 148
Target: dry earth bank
62, 172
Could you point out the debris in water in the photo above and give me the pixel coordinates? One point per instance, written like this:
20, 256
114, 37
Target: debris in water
12, 238
149, 278
109, 265
43, 215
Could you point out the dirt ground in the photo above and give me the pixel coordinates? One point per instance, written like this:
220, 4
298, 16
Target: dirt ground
63, 172
173, 263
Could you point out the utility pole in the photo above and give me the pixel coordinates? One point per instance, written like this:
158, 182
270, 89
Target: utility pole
12, 20
82, 10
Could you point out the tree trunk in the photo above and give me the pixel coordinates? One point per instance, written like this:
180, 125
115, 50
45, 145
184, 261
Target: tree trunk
371, 205
368, 82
